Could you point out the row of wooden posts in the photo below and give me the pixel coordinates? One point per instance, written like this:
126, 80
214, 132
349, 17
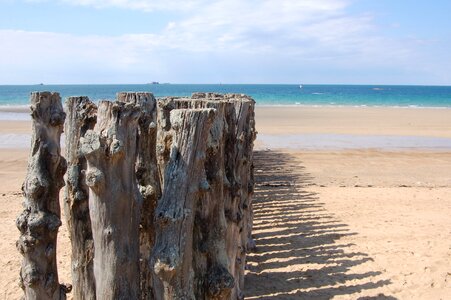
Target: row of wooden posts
157, 196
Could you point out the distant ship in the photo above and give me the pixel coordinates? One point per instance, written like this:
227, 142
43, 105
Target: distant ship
300, 86
154, 82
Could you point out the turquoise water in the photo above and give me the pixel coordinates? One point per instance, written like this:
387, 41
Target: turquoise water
264, 94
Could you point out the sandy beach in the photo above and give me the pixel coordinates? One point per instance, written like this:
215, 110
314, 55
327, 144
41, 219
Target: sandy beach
354, 223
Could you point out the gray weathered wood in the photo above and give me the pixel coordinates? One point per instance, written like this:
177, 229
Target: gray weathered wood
220, 246
213, 278
245, 133
40, 220
238, 186
81, 116
183, 180
114, 200
148, 182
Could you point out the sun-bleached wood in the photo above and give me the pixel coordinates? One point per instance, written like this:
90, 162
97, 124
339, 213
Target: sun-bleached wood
186, 132
245, 136
81, 117
114, 199
170, 204
148, 182
40, 220
223, 222
212, 280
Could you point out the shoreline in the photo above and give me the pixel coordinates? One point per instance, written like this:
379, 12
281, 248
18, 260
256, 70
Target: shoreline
320, 128
25, 108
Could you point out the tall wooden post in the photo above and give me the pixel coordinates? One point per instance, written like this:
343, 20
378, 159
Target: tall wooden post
114, 201
81, 117
148, 182
40, 220
184, 179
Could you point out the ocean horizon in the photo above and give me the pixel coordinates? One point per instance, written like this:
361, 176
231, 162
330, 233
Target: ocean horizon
410, 96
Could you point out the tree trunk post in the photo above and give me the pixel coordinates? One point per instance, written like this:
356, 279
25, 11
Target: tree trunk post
114, 201
214, 279
81, 116
40, 220
184, 180
245, 139
148, 182
223, 221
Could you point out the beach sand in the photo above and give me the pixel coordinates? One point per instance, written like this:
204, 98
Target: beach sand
342, 224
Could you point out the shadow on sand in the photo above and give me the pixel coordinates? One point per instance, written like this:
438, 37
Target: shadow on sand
299, 254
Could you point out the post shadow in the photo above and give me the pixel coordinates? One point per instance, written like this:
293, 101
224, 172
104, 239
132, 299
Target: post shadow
292, 228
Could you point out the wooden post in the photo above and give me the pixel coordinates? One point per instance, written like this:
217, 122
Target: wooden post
148, 182
183, 179
214, 281
81, 116
223, 222
40, 220
114, 201
245, 134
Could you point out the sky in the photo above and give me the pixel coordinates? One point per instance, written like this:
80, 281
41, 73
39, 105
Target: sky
225, 41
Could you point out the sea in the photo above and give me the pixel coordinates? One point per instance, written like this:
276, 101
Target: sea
264, 94
14, 101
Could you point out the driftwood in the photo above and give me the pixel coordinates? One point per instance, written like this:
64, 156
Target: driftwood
183, 181
148, 182
114, 200
81, 117
40, 220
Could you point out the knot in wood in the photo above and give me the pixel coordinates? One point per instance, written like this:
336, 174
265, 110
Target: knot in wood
219, 281
147, 190
57, 118
116, 148
108, 233
94, 178
90, 143
26, 244
30, 275
167, 262
204, 185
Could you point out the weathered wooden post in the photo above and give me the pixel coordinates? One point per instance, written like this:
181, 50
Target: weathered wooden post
148, 182
212, 280
245, 133
114, 200
184, 179
223, 222
238, 185
81, 117
40, 220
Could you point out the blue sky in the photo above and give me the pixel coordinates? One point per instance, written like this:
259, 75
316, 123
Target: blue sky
228, 41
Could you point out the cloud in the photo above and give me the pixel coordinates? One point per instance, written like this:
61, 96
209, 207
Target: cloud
281, 38
145, 5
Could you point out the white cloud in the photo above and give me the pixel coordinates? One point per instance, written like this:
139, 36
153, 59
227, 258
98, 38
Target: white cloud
146, 5
254, 36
